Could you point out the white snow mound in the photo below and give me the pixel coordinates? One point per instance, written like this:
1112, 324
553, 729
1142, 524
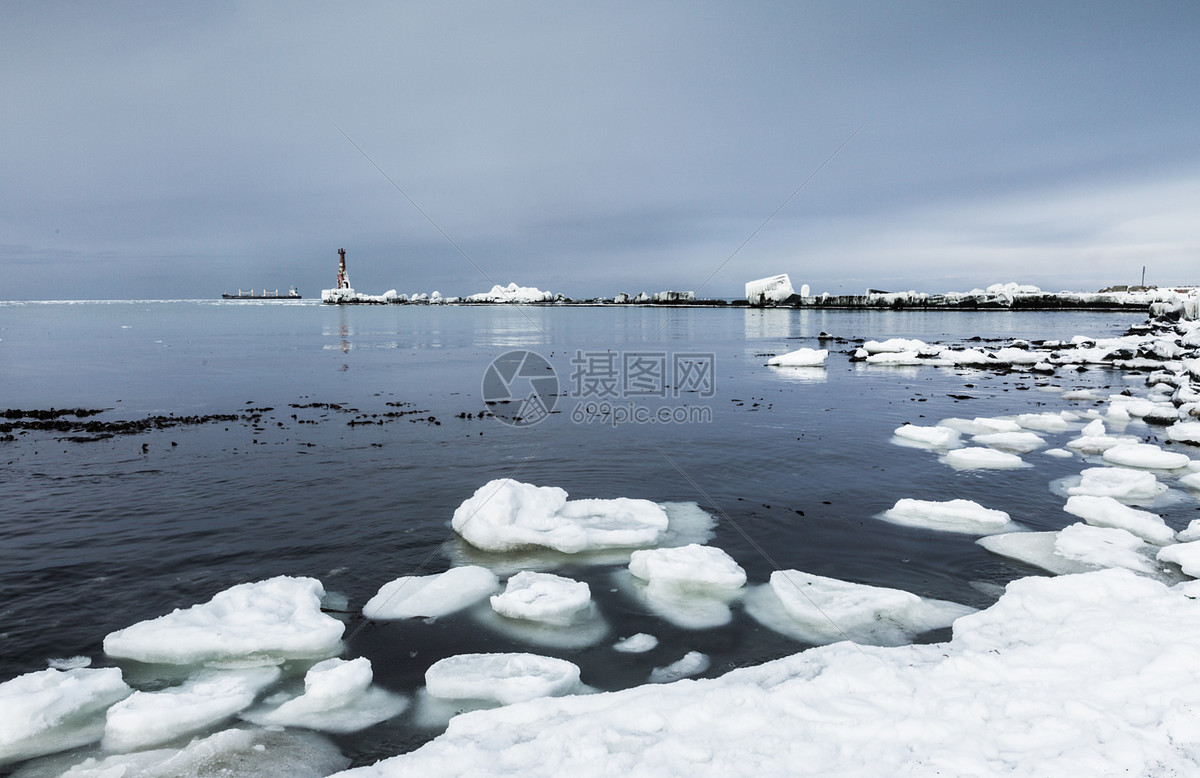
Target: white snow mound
950, 515
692, 567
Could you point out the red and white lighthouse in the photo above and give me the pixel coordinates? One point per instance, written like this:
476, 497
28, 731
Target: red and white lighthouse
343, 280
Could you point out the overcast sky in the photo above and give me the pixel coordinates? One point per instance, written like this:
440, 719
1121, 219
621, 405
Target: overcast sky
179, 150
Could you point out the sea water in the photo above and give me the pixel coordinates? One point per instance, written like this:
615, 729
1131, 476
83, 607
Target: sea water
314, 477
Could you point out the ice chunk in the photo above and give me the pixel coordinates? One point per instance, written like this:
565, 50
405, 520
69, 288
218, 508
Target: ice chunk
502, 678
636, 644
1017, 356
146, 719
1018, 442
338, 697
69, 662
683, 607
1104, 547
1191, 481
543, 597
933, 437
688, 568
1186, 555
1045, 422
1058, 452
981, 425
775, 289
504, 515
951, 516
1185, 432
233, 752
692, 663
894, 345
54, 710
1118, 482
906, 358
1107, 512
1036, 549
1094, 439
819, 610
982, 459
804, 357
1145, 455
266, 622
432, 595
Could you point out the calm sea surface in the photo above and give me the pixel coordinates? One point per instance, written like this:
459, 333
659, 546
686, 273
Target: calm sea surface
95, 536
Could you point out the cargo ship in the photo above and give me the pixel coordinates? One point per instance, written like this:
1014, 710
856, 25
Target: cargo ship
292, 294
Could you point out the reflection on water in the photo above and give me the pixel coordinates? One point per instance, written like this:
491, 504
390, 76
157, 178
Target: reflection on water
803, 375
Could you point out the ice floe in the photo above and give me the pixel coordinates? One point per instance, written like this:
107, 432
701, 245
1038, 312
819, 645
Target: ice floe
262, 753
544, 597
1186, 555
980, 425
636, 644
818, 610
432, 595
146, 719
504, 514
1016, 442
54, 710
267, 622
1118, 482
1107, 512
978, 458
501, 678
693, 568
1145, 455
692, 663
338, 697
804, 357
1105, 547
1037, 549
949, 515
930, 437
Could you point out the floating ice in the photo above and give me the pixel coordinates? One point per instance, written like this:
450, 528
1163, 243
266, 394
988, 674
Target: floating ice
1036, 549
805, 357
906, 358
1145, 455
266, 622
981, 425
502, 678
1107, 512
1186, 555
543, 597
1118, 482
432, 595
951, 516
688, 568
1045, 422
1191, 481
54, 710
818, 610
1094, 439
692, 663
1018, 442
1185, 432
1058, 452
982, 459
1017, 356
146, 719
636, 644
263, 753
504, 514
934, 437
69, 662
894, 345
1088, 674
1104, 547
338, 697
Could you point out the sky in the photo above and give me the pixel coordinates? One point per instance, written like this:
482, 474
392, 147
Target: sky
165, 151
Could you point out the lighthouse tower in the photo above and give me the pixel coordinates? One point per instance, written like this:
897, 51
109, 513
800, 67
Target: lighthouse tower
343, 280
